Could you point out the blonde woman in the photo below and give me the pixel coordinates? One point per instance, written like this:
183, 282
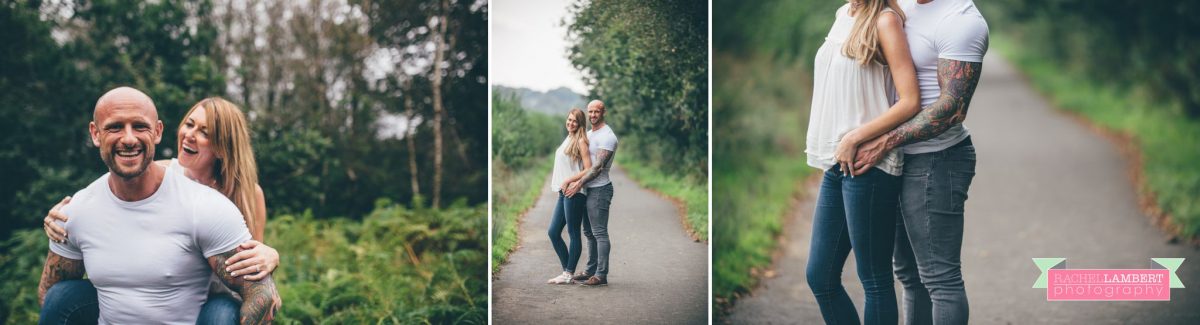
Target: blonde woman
861, 68
571, 160
214, 150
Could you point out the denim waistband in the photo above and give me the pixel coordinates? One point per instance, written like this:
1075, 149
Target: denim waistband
965, 142
941, 153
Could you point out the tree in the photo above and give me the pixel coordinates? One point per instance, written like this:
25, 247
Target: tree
59, 58
648, 61
455, 101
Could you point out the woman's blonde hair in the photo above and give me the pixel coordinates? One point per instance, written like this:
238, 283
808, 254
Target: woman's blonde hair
863, 44
235, 170
578, 136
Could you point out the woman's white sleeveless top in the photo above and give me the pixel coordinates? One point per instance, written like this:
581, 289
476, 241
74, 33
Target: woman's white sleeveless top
564, 168
846, 95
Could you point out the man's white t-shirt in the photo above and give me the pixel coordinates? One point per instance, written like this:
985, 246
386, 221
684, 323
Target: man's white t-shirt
942, 29
149, 259
602, 139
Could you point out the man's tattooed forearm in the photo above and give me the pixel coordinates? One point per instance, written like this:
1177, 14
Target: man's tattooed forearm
56, 269
957, 80
260, 300
598, 166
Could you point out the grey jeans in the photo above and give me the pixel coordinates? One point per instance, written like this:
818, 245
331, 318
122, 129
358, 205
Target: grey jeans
595, 228
929, 234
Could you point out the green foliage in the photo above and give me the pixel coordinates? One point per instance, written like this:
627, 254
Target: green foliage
520, 137
290, 165
319, 77
692, 192
318, 99
52, 86
21, 259
522, 143
758, 162
1137, 46
399, 265
783, 30
1169, 142
647, 60
764, 52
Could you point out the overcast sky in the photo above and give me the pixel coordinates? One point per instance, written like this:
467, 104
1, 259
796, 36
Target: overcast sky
529, 47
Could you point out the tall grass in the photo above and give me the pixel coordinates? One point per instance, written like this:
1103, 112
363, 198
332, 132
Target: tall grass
398, 265
513, 192
759, 162
1168, 140
760, 100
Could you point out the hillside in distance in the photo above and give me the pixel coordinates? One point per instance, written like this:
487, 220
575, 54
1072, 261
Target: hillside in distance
556, 102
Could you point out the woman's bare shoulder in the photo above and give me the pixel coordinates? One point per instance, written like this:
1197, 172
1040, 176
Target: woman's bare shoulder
584, 144
890, 19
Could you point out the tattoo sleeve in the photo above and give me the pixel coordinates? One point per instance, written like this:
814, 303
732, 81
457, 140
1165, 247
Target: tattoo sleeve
598, 166
957, 80
260, 300
57, 269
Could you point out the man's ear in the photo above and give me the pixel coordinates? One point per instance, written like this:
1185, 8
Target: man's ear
158, 132
94, 132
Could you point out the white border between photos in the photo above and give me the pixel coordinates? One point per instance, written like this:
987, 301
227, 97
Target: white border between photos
489, 166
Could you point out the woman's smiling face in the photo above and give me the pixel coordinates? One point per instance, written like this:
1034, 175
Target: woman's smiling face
195, 149
572, 124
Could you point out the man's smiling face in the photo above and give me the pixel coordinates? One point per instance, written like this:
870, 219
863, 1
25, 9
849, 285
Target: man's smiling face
595, 111
126, 127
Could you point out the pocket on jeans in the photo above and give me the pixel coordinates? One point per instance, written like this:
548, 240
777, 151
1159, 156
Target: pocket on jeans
960, 183
916, 166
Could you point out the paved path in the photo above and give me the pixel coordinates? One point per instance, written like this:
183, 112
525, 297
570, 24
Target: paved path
658, 275
1046, 186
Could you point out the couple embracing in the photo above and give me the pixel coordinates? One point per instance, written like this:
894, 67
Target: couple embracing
580, 178
169, 242
892, 85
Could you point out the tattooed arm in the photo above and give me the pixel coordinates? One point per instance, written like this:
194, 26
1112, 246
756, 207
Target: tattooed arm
260, 300
957, 79
602, 162
57, 269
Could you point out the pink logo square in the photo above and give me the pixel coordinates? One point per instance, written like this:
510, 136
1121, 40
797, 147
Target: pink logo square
1108, 285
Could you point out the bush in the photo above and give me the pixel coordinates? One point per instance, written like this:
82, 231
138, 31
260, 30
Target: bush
397, 266
522, 138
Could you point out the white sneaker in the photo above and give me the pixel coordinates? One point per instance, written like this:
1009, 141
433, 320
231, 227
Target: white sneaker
560, 279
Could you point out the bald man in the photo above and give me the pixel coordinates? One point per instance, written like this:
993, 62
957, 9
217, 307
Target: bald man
150, 239
602, 146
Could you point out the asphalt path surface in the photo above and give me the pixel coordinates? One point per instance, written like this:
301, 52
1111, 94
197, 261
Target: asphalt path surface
657, 274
